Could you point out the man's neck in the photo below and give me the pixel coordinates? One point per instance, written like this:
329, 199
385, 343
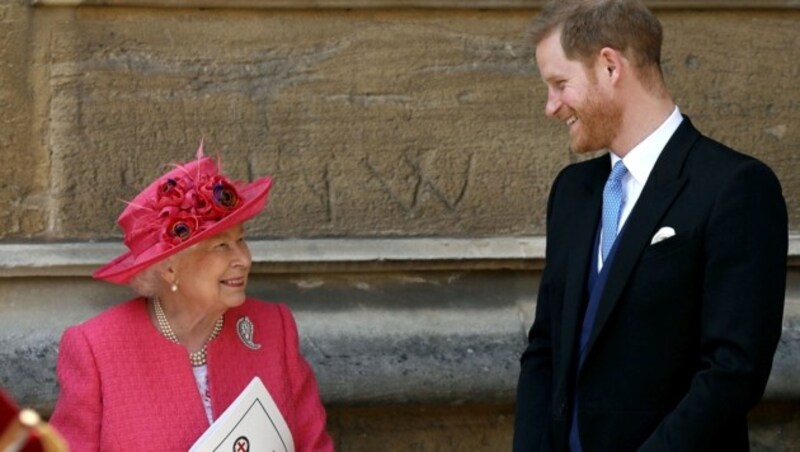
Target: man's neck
644, 115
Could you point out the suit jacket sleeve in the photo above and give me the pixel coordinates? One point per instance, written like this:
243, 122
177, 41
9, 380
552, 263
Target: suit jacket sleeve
308, 423
741, 313
77, 415
535, 384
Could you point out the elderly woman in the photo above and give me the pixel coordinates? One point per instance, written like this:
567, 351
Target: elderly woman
153, 373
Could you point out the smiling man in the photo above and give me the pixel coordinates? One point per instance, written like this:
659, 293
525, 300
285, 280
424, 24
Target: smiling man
661, 302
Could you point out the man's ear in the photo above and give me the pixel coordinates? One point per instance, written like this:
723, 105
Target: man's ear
611, 64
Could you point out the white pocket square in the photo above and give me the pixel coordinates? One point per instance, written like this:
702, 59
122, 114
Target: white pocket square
662, 234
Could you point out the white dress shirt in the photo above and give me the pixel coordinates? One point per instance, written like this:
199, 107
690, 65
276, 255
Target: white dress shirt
640, 162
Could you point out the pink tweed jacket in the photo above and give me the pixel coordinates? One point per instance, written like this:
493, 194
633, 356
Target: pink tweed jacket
124, 387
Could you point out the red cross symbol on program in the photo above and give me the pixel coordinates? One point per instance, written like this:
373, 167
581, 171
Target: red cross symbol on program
241, 444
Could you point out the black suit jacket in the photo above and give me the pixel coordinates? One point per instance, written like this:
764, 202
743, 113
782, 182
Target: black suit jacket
686, 328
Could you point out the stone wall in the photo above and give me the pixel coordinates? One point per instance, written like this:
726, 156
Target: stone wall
411, 160
374, 122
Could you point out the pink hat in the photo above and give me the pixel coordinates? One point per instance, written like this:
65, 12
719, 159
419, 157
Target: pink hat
191, 203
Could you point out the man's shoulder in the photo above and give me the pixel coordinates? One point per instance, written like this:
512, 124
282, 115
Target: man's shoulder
577, 173
712, 156
585, 167
713, 160
707, 148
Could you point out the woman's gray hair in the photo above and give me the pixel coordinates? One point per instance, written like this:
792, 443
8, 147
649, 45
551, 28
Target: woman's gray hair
148, 282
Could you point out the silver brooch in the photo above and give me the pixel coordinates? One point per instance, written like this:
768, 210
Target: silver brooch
244, 326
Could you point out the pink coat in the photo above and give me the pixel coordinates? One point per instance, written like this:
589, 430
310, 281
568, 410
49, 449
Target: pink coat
125, 387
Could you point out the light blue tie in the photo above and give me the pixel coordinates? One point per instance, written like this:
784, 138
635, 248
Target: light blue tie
613, 197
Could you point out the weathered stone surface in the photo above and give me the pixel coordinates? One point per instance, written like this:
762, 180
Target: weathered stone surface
33, 314
786, 366
373, 122
422, 428
441, 337
435, 4
359, 134
23, 176
774, 427
451, 336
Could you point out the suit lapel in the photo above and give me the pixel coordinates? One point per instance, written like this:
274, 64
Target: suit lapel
662, 187
587, 205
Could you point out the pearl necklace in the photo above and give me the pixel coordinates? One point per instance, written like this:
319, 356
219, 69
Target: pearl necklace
198, 358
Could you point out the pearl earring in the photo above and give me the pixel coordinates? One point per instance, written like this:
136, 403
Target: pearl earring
174, 286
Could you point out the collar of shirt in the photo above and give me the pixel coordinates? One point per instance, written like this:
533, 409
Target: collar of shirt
642, 158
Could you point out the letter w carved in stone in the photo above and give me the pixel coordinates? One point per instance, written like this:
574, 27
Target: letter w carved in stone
420, 177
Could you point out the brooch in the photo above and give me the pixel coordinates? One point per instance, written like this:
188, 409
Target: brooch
244, 327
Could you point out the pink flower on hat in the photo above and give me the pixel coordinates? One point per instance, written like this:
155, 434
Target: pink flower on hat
186, 205
171, 192
180, 228
218, 196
